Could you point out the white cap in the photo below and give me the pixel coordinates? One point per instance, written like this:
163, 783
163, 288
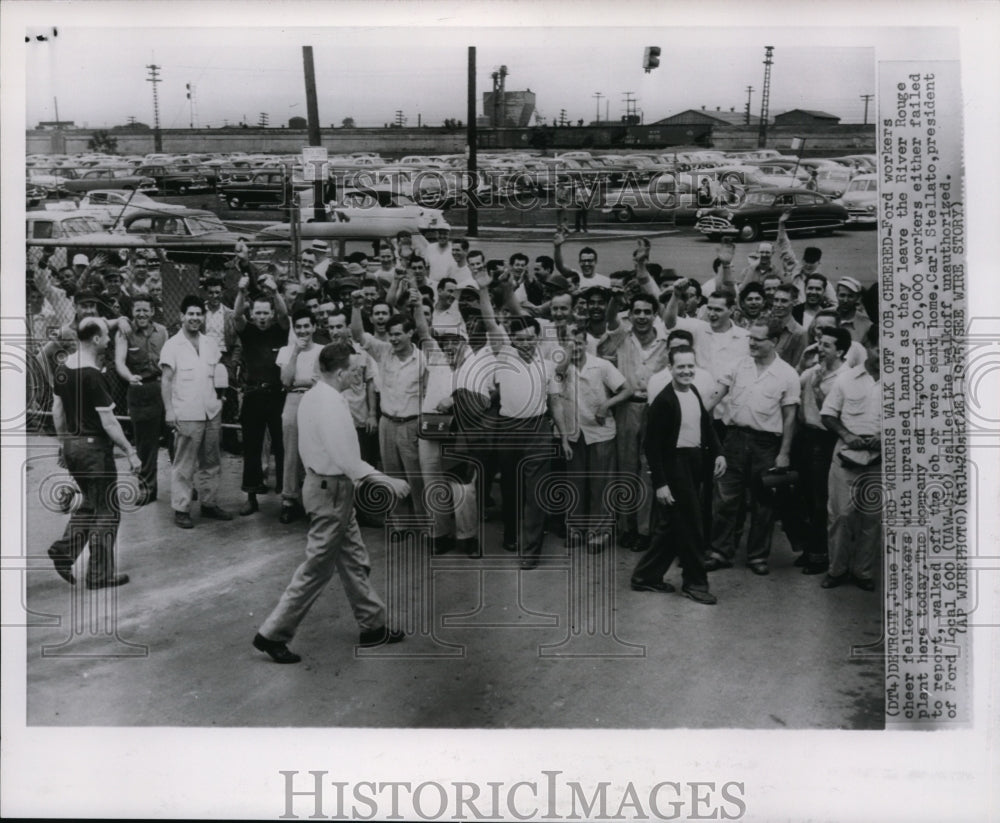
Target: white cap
319, 245
80, 260
765, 247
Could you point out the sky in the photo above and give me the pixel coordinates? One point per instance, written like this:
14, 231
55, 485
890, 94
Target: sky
99, 75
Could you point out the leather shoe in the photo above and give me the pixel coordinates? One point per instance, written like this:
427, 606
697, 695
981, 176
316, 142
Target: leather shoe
64, 566
278, 651
810, 568
759, 567
288, 514
108, 583
714, 563
703, 596
628, 541
215, 513
530, 562
510, 547
379, 637
250, 507
468, 546
800, 561
832, 581
183, 520
642, 542
660, 586
865, 583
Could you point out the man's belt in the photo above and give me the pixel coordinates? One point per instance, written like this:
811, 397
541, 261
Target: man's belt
637, 399
151, 378
395, 419
262, 386
754, 432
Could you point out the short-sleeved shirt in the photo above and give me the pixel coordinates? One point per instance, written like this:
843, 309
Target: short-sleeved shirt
584, 387
260, 352
305, 364
703, 382
440, 380
142, 353
193, 394
400, 378
856, 398
792, 342
816, 385
361, 371
524, 385
716, 351
82, 392
477, 373
636, 362
756, 400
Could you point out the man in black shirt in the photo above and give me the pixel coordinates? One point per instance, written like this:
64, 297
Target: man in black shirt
82, 411
263, 394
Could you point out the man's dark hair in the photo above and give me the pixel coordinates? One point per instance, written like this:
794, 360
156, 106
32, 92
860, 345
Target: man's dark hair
416, 258
841, 338
89, 328
463, 243
213, 282
400, 320
335, 356
475, 253
518, 256
587, 250
644, 298
141, 298
789, 289
680, 334
774, 327
752, 288
722, 294
547, 262
870, 338
817, 276
673, 353
190, 300
302, 314
520, 323
444, 280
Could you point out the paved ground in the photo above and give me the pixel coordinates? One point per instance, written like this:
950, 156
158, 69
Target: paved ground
494, 647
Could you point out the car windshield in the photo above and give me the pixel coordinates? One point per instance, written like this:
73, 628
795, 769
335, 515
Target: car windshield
863, 185
759, 198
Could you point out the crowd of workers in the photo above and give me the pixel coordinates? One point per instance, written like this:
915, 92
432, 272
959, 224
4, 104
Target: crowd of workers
434, 371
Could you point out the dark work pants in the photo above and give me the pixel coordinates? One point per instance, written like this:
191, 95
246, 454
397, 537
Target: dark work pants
145, 406
368, 443
679, 532
91, 462
804, 514
748, 455
261, 412
524, 450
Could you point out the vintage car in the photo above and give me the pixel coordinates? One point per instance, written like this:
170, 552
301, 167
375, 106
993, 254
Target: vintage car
644, 197
113, 206
861, 200
190, 234
106, 178
758, 212
70, 232
257, 189
361, 214
171, 180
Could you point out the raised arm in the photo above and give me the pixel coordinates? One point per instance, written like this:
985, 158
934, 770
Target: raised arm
789, 262
557, 255
240, 304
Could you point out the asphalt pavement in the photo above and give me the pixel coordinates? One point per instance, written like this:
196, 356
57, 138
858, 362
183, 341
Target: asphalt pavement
567, 645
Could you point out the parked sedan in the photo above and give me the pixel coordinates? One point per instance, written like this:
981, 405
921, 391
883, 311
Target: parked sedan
113, 206
120, 178
362, 214
861, 200
262, 188
171, 180
200, 233
759, 211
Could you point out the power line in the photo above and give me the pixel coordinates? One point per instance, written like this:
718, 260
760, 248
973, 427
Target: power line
154, 78
866, 98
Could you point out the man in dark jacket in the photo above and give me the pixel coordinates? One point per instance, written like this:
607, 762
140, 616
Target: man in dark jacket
682, 449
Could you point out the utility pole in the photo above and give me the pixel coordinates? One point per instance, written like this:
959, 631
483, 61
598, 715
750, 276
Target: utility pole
192, 103
597, 95
472, 216
400, 119
312, 111
154, 78
765, 98
262, 120
866, 98
749, 96
630, 102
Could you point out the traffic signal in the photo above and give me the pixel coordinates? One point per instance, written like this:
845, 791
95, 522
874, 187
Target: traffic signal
651, 58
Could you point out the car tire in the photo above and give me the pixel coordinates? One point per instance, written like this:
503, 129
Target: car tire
182, 189
749, 232
624, 214
234, 203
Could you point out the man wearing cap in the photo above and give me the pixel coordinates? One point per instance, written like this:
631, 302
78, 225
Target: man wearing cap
80, 265
587, 275
191, 374
850, 313
137, 360
323, 261
763, 393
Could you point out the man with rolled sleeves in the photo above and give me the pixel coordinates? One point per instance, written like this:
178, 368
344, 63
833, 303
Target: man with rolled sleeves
763, 393
191, 370
853, 411
137, 360
333, 466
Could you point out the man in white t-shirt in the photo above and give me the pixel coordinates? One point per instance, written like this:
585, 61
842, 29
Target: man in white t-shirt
587, 275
